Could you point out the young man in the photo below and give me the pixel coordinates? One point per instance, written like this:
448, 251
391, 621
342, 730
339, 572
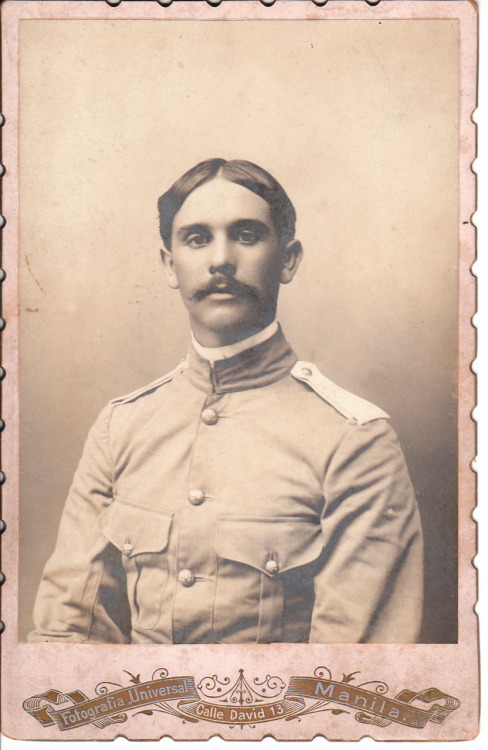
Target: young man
243, 497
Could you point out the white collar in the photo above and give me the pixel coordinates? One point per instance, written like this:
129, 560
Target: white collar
214, 353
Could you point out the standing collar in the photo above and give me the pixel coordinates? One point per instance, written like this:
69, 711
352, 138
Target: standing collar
256, 366
215, 353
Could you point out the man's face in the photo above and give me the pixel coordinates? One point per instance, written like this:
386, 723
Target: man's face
227, 262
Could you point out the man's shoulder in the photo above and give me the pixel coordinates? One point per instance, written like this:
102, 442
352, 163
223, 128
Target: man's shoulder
350, 406
150, 387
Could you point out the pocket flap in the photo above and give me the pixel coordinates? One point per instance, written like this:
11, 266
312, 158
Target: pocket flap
289, 542
135, 529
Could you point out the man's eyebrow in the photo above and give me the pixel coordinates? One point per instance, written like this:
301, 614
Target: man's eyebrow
254, 225
189, 228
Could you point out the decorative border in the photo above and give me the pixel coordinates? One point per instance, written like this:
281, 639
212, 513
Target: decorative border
448, 664
240, 703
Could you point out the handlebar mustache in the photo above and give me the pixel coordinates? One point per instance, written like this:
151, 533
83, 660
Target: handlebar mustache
228, 286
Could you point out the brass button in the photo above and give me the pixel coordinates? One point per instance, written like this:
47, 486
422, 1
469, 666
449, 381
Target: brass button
127, 548
272, 567
186, 577
196, 497
306, 372
209, 416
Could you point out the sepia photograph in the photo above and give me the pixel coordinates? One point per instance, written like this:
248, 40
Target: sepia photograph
254, 494
240, 386
300, 527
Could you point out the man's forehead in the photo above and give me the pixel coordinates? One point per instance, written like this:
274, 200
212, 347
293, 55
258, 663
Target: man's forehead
220, 201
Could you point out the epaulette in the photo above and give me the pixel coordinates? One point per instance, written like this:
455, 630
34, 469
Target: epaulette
354, 408
151, 386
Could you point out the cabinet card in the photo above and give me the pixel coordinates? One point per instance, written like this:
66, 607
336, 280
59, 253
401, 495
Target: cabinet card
237, 438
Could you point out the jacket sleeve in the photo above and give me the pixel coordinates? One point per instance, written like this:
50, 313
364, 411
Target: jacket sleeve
369, 587
82, 595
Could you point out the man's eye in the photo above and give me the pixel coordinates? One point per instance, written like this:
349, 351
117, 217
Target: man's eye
197, 240
246, 237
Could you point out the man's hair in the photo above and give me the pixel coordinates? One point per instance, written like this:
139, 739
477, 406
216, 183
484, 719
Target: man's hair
241, 172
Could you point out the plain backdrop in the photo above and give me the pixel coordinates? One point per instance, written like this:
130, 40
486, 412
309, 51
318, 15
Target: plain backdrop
357, 120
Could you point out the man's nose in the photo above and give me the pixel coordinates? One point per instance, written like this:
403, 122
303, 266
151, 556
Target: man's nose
222, 258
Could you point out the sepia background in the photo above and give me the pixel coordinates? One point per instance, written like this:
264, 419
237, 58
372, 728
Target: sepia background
357, 119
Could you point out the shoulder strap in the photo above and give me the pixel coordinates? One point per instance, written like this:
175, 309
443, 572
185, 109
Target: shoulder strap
151, 386
352, 407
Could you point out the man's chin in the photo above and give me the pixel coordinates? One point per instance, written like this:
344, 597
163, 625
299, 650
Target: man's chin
228, 327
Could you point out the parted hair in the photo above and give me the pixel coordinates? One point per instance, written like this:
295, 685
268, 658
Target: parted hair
244, 173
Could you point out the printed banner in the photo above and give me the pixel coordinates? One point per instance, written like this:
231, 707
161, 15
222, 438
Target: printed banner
241, 703
286, 708
376, 703
107, 705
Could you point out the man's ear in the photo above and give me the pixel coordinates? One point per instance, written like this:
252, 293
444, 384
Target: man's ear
292, 256
169, 267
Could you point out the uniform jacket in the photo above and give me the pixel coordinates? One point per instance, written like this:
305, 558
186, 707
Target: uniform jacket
248, 500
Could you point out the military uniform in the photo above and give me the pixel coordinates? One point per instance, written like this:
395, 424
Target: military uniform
249, 500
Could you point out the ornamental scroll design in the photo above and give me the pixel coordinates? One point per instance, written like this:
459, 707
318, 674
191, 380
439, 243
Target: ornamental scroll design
241, 701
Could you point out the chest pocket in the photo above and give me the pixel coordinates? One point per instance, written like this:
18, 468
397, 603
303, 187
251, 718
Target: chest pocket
262, 576
142, 536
